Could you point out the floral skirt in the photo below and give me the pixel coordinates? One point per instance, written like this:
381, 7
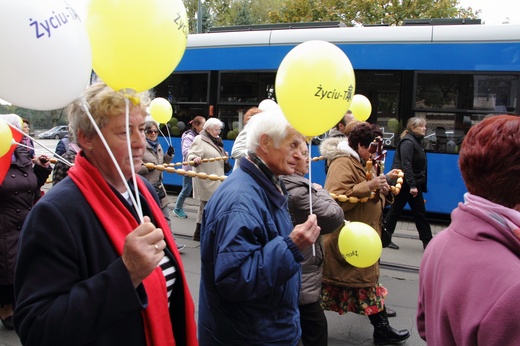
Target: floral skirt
363, 301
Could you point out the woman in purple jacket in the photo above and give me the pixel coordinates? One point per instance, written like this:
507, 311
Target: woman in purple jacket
197, 124
469, 277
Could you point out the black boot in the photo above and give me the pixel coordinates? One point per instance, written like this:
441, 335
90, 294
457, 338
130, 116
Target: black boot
196, 235
384, 334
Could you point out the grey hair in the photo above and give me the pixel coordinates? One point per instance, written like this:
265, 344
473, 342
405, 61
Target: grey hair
13, 119
272, 123
212, 122
148, 125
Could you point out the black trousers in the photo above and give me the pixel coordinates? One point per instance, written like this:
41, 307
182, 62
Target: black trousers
418, 211
314, 325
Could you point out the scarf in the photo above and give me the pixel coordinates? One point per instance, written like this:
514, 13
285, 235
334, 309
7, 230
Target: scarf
153, 144
497, 215
262, 166
217, 141
111, 211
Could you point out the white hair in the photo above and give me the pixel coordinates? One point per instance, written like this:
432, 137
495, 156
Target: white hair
212, 122
271, 122
12, 119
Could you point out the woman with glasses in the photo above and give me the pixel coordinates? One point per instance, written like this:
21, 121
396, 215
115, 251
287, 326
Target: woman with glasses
154, 154
205, 146
330, 218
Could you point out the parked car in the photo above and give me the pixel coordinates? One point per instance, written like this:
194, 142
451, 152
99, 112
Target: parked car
57, 132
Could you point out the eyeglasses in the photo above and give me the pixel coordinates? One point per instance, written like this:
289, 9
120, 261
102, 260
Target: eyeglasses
152, 131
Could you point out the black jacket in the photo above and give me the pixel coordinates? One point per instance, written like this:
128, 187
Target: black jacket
411, 159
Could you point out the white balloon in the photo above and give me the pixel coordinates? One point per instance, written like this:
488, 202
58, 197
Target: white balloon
267, 105
181, 125
46, 59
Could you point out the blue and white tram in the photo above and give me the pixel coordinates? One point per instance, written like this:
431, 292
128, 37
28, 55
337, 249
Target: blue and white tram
452, 75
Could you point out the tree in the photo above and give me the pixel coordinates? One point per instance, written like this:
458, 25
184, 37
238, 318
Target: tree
394, 12
352, 12
38, 119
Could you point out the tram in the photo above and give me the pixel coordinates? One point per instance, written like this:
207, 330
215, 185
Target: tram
452, 75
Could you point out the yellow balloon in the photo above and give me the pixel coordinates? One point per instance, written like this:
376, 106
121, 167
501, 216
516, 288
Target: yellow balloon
361, 107
314, 86
161, 110
6, 138
136, 44
360, 244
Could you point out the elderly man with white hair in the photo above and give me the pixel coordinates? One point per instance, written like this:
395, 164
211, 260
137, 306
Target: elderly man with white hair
250, 251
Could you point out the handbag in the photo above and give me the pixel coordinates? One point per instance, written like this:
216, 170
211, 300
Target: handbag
386, 237
159, 189
227, 167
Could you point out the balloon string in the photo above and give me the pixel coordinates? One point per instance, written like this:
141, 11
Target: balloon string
166, 138
98, 131
37, 142
57, 156
132, 167
310, 192
169, 135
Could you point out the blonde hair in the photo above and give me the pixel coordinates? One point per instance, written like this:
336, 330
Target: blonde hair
412, 123
103, 104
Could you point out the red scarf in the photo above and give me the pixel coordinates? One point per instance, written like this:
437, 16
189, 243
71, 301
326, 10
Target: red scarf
111, 211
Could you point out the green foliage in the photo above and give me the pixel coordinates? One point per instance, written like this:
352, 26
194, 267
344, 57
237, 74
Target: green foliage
393, 125
351, 12
232, 134
38, 119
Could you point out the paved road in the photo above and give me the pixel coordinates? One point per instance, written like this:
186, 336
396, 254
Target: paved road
349, 329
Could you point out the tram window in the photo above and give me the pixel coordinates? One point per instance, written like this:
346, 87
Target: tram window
480, 92
442, 91
496, 93
245, 87
230, 116
185, 87
444, 131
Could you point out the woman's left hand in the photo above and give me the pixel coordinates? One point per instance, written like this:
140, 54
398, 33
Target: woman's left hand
393, 174
385, 189
43, 161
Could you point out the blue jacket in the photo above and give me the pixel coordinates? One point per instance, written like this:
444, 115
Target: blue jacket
250, 277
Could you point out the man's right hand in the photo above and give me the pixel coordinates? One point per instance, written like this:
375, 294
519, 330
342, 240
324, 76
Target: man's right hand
305, 234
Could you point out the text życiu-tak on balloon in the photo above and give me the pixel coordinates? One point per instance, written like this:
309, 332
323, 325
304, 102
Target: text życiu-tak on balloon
44, 27
336, 95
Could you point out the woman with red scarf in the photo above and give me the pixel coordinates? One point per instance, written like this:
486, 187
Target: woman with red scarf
92, 270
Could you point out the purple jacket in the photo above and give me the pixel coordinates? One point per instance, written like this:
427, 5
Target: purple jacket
186, 141
468, 284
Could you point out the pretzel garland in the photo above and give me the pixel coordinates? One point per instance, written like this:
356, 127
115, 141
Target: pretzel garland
399, 183
351, 199
201, 175
340, 198
192, 163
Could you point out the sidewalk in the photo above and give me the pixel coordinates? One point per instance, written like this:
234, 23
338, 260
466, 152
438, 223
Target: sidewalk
344, 330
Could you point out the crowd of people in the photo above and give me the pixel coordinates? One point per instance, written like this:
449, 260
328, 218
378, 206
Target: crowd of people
95, 260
